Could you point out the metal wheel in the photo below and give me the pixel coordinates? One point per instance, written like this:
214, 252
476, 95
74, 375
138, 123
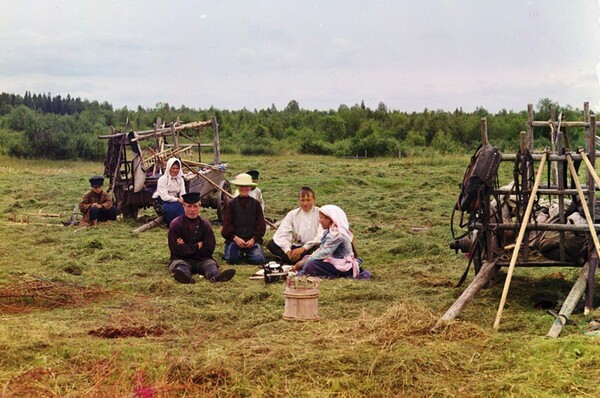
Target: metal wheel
128, 211
222, 199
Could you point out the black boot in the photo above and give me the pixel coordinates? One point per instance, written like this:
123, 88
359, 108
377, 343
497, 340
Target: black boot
182, 274
223, 276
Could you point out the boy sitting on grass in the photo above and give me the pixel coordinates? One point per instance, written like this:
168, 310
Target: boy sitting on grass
96, 206
244, 225
255, 192
299, 233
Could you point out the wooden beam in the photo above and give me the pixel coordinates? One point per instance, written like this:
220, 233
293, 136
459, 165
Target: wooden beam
164, 131
487, 272
484, 132
570, 302
563, 124
590, 221
216, 144
510, 157
515, 254
530, 127
149, 225
539, 227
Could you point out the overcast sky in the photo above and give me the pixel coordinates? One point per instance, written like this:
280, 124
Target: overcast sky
409, 54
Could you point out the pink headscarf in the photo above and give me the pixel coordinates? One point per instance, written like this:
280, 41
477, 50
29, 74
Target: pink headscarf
340, 221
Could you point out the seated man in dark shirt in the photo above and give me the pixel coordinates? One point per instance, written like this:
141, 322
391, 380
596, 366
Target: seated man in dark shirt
192, 243
244, 225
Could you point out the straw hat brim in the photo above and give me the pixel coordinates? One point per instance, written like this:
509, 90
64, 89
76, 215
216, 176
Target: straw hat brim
242, 183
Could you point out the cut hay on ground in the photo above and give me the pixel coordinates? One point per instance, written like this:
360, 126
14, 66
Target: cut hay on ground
37, 294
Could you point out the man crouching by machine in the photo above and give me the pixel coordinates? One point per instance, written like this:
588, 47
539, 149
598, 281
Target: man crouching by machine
192, 243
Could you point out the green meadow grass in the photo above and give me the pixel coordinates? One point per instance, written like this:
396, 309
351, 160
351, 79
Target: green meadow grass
373, 338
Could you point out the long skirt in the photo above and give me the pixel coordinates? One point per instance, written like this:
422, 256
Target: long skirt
171, 210
324, 269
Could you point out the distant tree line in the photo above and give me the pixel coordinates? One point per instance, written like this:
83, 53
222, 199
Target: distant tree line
42, 126
47, 103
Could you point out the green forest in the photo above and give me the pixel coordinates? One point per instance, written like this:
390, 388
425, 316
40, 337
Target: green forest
55, 127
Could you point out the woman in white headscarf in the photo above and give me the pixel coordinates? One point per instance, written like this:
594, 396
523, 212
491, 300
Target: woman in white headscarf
335, 257
170, 188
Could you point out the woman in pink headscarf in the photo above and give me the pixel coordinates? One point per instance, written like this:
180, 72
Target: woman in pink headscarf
335, 257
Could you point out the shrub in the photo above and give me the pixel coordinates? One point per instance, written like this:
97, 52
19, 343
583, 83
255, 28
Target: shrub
317, 147
443, 143
415, 138
407, 150
343, 148
258, 146
17, 146
376, 145
20, 118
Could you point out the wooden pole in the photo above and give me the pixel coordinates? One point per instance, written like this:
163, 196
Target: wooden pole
591, 279
216, 144
484, 132
590, 133
515, 254
162, 131
532, 226
589, 166
206, 165
561, 198
523, 142
588, 216
149, 225
211, 182
570, 302
586, 210
553, 139
487, 272
510, 157
592, 151
49, 215
175, 136
525, 163
530, 127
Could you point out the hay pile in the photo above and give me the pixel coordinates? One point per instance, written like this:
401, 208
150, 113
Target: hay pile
43, 294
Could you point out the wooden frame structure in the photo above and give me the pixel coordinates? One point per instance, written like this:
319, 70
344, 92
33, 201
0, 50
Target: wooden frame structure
560, 159
133, 177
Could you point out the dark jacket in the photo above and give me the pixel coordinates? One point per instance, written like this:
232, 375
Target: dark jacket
88, 199
191, 231
244, 218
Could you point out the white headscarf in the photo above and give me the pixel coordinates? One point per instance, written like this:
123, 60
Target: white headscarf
170, 164
340, 221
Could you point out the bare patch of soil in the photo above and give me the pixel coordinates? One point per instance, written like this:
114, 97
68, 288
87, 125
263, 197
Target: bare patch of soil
109, 332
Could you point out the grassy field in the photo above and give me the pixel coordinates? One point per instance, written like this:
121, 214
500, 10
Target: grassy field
104, 318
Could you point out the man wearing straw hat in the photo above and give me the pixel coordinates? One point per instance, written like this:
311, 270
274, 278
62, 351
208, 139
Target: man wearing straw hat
244, 225
192, 243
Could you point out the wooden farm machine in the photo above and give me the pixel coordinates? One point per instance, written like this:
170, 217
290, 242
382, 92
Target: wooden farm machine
133, 169
544, 217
